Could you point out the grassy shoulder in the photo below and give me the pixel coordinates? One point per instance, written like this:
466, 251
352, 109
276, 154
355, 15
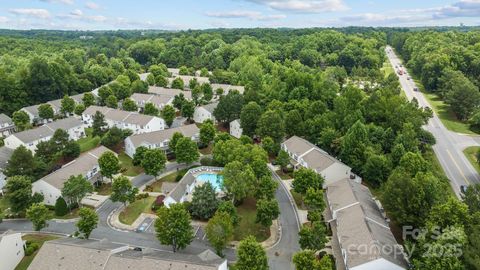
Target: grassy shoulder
471, 154
133, 210
33, 238
445, 113
247, 212
387, 68
127, 166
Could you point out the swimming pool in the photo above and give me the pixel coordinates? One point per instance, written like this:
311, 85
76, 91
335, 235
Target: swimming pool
214, 179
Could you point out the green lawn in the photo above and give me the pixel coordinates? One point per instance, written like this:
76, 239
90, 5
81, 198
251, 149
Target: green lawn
34, 238
284, 176
247, 212
207, 150
471, 154
133, 210
157, 185
127, 166
104, 189
88, 142
298, 198
69, 215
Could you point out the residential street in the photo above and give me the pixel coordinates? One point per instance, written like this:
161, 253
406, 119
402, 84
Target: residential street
280, 255
449, 144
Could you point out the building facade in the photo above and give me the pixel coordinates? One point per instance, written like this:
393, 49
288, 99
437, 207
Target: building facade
11, 250
159, 139
50, 186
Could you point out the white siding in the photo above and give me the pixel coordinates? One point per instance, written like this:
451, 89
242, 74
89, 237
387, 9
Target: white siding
168, 200
379, 264
235, 129
200, 115
129, 147
49, 192
11, 251
12, 142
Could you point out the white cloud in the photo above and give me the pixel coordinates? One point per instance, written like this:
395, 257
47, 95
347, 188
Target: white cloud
252, 15
92, 5
304, 6
67, 2
31, 12
77, 14
4, 19
463, 8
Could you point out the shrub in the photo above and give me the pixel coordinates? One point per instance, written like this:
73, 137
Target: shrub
207, 161
158, 202
31, 248
61, 208
141, 196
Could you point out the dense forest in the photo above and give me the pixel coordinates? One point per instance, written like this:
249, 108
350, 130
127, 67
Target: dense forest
324, 85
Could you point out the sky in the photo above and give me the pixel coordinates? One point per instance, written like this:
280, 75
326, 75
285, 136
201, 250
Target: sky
202, 14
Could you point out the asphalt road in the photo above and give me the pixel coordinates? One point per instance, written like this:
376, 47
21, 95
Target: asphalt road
280, 255
450, 145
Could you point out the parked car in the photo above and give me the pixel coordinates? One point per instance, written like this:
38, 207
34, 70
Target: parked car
463, 188
415, 89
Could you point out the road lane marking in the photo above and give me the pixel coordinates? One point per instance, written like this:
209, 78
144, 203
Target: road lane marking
458, 167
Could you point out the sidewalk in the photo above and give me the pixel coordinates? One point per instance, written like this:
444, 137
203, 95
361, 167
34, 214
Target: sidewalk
114, 221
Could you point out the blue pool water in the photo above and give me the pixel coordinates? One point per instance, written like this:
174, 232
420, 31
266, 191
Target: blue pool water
214, 179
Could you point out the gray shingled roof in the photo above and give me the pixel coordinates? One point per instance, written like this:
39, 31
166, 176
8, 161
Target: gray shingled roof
130, 259
360, 223
228, 87
120, 115
178, 192
162, 135
170, 92
73, 253
47, 130
81, 165
157, 100
210, 107
315, 157
81, 254
5, 154
4, 119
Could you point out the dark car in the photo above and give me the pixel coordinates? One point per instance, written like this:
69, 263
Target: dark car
415, 89
463, 188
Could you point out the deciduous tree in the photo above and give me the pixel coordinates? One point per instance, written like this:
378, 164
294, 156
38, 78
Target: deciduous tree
123, 191
173, 226
267, 211
251, 255
219, 231
154, 161
38, 214
168, 114
186, 151
109, 164
88, 221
